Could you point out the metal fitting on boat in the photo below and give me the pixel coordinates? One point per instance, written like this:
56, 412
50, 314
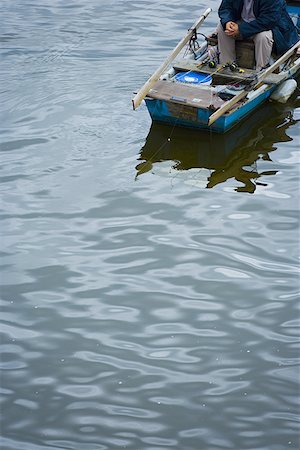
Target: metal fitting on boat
233, 67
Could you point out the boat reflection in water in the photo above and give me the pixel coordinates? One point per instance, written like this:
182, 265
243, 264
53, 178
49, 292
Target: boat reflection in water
206, 160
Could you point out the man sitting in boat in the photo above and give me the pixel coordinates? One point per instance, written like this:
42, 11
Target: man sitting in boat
266, 22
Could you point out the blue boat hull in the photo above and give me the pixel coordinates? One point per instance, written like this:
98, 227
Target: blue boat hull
163, 112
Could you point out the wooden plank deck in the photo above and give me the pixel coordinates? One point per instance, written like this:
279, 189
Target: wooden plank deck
246, 77
196, 96
226, 73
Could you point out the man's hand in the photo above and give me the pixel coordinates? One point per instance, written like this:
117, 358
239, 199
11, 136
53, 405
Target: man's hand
232, 29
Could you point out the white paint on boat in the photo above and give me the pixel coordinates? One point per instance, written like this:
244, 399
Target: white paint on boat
169, 74
284, 91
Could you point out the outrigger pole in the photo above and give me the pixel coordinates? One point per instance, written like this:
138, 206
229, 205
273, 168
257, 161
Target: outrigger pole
258, 81
136, 101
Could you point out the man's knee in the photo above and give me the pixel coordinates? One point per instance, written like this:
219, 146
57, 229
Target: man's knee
265, 37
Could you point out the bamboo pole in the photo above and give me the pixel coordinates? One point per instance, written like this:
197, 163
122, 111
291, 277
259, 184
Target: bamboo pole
136, 101
259, 79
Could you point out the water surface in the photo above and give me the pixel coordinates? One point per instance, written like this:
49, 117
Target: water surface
149, 282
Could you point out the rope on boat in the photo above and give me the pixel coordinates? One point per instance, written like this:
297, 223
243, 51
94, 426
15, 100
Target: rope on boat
193, 44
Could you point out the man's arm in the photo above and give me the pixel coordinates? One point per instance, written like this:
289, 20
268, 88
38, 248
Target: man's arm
226, 12
268, 17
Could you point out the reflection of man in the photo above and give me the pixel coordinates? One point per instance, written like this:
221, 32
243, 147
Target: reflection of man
265, 21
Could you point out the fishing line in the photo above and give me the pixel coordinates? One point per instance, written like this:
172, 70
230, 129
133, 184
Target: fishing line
168, 139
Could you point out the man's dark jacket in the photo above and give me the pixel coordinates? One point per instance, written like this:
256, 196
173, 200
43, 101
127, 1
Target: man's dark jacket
270, 15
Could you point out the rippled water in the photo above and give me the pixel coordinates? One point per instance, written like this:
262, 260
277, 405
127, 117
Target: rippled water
150, 287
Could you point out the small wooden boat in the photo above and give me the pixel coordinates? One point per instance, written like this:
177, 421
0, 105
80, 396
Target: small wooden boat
191, 89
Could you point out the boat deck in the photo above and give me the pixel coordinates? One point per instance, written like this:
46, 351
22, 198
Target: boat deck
187, 94
222, 74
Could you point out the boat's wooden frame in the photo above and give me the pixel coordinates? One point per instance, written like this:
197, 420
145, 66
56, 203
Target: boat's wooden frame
138, 98
260, 78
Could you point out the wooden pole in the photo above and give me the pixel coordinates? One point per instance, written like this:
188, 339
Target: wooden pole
136, 101
244, 93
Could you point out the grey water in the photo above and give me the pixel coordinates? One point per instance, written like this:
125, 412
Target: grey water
149, 274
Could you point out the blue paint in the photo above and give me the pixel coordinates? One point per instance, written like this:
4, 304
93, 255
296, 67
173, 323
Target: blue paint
193, 78
159, 112
293, 10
